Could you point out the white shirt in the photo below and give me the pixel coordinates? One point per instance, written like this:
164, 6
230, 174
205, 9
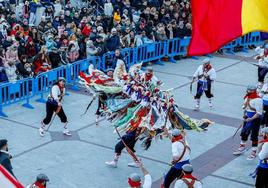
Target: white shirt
147, 181
257, 104
211, 73
263, 154
263, 63
263, 90
108, 9
180, 184
177, 150
55, 92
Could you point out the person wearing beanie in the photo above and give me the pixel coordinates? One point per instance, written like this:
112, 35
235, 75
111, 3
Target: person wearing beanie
41, 182
253, 110
205, 75
188, 180
180, 156
53, 105
134, 180
5, 156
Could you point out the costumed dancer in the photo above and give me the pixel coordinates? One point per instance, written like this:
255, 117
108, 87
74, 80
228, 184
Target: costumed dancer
264, 94
41, 182
252, 118
102, 96
130, 139
262, 65
53, 105
205, 74
262, 169
134, 180
181, 156
188, 180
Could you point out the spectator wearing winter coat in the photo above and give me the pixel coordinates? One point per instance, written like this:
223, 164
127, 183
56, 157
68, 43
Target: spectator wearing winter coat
11, 70
73, 53
22, 48
25, 68
108, 8
50, 43
3, 76
30, 48
42, 61
12, 54
113, 42
91, 49
54, 57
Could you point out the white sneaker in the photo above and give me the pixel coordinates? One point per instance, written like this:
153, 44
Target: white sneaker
67, 132
252, 155
240, 150
197, 107
112, 163
41, 131
133, 164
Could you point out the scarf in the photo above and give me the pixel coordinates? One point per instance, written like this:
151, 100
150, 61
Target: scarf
253, 95
263, 141
133, 183
188, 176
176, 138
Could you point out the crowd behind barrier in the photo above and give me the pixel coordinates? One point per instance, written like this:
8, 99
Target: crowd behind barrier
25, 89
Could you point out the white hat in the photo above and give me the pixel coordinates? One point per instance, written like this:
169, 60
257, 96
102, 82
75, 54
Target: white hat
206, 60
175, 132
187, 168
113, 30
99, 28
264, 130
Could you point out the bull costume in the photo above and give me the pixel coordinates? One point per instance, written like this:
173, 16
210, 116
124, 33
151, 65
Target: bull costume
205, 75
252, 118
53, 105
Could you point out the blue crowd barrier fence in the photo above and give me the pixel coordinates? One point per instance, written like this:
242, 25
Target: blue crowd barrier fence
24, 90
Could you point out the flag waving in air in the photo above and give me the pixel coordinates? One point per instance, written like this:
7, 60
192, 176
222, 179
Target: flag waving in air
217, 22
7, 180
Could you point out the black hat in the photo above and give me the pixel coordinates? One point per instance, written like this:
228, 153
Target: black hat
99, 37
3, 142
42, 177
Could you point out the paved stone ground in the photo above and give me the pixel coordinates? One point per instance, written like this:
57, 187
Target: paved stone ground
78, 161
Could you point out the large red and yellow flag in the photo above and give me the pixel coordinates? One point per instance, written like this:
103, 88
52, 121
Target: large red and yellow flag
217, 22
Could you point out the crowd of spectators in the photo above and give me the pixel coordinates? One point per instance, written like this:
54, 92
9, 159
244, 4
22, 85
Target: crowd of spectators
28, 48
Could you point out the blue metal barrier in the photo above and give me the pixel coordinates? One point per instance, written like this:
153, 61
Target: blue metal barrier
20, 91
24, 90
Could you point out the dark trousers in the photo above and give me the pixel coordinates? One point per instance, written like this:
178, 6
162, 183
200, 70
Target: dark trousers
262, 73
262, 178
265, 116
200, 90
101, 99
172, 174
130, 141
252, 130
51, 108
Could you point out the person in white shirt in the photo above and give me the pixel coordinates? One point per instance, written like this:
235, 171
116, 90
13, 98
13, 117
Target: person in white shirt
262, 169
180, 156
253, 107
264, 94
134, 180
205, 74
188, 180
262, 65
53, 105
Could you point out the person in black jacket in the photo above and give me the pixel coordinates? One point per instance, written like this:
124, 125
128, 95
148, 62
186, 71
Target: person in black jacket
25, 68
5, 156
54, 57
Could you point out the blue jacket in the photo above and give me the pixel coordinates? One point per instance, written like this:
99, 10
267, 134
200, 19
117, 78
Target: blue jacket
113, 43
